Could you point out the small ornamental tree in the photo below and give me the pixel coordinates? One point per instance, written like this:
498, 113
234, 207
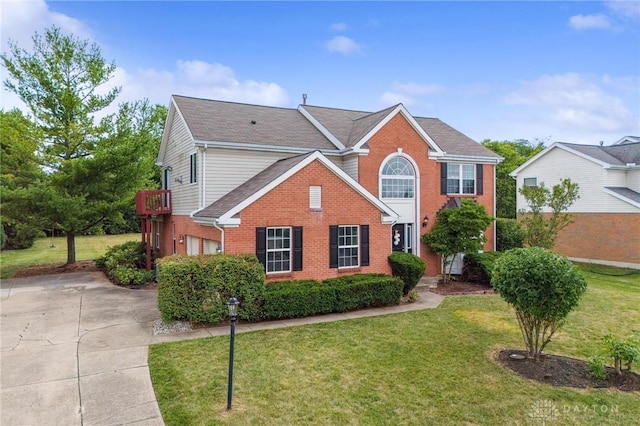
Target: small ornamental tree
458, 230
543, 287
542, 230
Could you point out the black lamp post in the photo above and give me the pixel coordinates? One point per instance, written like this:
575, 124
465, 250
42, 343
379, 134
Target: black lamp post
233, 315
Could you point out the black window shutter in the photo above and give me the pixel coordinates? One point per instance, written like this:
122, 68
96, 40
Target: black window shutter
364, 245
261, 246
479, 181
333, 246
443, 178
297, 248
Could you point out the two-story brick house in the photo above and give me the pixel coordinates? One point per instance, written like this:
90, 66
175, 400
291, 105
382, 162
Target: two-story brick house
314, 192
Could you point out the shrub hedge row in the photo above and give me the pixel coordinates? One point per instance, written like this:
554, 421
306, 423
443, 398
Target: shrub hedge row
292, 299
197, 288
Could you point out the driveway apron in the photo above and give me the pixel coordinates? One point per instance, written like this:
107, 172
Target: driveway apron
74, 352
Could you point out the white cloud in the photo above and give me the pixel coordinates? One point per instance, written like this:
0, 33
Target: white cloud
573, 101
338, 27
21, 19
625, 8
586, 22
408, 93
344, 45
198, 79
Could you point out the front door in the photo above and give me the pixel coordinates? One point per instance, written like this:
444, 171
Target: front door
401, 237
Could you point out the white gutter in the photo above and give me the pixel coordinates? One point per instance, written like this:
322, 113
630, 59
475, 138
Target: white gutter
215, 225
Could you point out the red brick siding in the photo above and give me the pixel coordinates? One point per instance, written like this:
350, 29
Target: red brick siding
288, 205
184, 226
398, 133
613, 237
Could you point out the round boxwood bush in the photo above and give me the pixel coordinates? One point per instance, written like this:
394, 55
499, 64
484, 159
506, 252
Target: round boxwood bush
543, 287
408, 267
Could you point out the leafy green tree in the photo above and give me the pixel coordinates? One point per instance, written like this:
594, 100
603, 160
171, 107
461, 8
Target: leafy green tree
541, 230
19, 142
543, 287
515, 153
93, 167
458, 230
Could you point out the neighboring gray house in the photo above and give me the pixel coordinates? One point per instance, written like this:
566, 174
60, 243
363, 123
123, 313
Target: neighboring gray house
607, 226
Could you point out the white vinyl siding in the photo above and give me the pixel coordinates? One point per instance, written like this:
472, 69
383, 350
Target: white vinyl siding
558, 164
184, 196
228, 168
350, 165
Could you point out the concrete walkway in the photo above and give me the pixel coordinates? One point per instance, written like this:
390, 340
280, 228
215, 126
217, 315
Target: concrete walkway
74, 349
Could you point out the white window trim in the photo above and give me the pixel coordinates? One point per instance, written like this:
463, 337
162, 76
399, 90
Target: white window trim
461, 178
382, 177
289, 250
193, 167
357, 246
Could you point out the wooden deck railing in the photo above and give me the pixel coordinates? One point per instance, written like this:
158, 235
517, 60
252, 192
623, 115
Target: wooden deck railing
155, 202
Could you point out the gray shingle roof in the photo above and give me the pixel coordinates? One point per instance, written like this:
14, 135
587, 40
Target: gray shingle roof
250, 187
625, 192
616, 155
452, 141
218, 121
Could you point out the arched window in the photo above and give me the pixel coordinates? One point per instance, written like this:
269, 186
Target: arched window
398, 179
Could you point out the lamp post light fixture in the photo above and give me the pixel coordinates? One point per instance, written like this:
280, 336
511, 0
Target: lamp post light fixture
232, 304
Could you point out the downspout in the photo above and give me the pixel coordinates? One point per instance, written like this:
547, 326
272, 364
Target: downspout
215, 225
495, 210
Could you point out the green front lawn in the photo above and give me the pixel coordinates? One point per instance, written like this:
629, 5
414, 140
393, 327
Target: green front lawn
431, 367
41, 253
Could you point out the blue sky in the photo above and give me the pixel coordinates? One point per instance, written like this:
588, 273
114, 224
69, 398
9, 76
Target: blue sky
549, 71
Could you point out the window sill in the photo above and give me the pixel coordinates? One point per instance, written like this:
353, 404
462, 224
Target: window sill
270, 275
349, 269
315, 210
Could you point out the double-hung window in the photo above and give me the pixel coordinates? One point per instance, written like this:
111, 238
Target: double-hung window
278, 249
461, 178
348, 246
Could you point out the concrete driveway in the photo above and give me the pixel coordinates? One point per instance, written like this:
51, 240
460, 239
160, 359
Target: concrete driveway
74, 352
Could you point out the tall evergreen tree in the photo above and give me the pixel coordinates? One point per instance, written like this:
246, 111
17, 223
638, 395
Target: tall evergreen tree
93, 167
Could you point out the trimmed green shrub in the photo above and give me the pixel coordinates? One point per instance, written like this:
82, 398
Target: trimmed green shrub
477, 266
294, 299
20, 236
197, 289
408, 267
132, 254
509, 234
124, 275
543, 287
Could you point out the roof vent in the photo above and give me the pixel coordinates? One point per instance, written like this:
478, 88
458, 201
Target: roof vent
601, 143
253, 121
304, 99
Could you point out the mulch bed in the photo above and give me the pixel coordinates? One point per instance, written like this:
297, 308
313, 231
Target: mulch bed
454, 288
558, 370
62, 268
56, 268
